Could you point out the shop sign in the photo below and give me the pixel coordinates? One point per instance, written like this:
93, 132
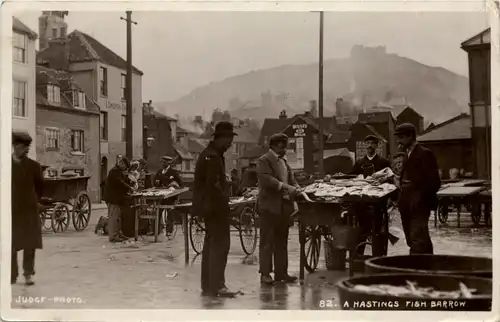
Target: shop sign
299, 130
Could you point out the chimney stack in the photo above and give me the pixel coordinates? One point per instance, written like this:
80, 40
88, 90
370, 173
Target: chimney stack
59, 54
283, 114
314, 108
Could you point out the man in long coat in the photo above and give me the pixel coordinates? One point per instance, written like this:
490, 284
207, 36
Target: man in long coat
419, 185
211, 202
277, 187
27, 187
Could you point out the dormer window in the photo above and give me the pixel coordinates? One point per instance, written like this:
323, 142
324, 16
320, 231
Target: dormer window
53, 94
79, 100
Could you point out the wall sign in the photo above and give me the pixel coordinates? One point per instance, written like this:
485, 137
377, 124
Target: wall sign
299, 130
122, 106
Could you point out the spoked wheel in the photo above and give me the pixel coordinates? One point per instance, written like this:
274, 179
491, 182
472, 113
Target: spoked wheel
197, 234
170, 227
60, 218
248, 230
312, 248
45, 219
82, 209
443, 213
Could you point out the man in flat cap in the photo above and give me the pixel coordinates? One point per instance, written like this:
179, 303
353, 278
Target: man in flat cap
27, 188
167, 177
370, 218
211, 203
277, 188
419, 185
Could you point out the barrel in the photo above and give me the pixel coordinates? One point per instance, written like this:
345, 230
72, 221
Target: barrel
431, 264
354, 299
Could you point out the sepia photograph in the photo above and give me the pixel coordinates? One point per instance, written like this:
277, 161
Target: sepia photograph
307, 160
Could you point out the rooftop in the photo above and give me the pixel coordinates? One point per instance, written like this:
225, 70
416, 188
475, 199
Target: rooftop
19, 26
483, 38
457, 128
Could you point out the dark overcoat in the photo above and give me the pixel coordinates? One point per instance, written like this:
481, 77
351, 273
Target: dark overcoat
379, 163
27, 188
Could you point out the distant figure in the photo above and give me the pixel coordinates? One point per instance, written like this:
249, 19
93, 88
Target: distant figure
26, 192
167, 177
454, 173
235, 182
250, 177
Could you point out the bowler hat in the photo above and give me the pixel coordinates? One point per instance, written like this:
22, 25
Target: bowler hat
277, 138
224, 129
371, 138
405, 129
19, 137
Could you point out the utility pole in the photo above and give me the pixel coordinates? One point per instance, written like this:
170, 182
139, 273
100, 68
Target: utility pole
128, 89
320, 97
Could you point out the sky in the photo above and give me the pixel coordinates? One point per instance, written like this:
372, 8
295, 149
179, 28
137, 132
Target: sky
179, 51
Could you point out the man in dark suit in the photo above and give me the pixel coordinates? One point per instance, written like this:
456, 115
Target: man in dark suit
26, 191
419, 185
167, 177
277, 187
211, 202
370, 218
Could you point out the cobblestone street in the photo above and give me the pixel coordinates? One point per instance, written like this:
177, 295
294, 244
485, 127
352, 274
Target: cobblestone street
89, 272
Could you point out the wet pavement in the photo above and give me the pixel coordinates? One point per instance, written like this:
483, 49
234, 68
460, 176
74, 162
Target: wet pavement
82, 270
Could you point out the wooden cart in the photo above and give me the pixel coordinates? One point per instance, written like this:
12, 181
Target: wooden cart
459, 196
336, 222
61, 196
243, 218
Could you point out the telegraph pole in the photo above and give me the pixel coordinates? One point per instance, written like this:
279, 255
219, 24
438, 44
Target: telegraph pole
320, 96
128, 89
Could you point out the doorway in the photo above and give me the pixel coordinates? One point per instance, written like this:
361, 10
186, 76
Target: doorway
103, 175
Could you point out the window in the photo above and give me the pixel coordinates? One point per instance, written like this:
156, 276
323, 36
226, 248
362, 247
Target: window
103, 77
54, 32
79, 99
300, 152
52, 138
104, 126
63, 31
19, 47
124, 128
187, 165
19, 99
53, 94
123, 86
77, 140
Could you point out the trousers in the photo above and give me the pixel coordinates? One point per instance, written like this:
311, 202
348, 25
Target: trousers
114, 221
369, 219
28, 263
415, 219
273, 244
215, 252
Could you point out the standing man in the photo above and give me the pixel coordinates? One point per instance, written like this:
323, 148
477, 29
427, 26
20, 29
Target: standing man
419, 185
369, 218
167, 177
277, 187
26, 187
116, 196
211, 202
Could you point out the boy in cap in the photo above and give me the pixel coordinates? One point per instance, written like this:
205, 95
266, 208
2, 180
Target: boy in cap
211, 202
420, 183
26, 189
116, 192
277, 188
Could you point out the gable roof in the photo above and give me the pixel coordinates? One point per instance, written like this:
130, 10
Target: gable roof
19, 26
375, 117
482, 38
195, 146
83, 47
46, 76
272, 126
457, 128
410, 110
183, 152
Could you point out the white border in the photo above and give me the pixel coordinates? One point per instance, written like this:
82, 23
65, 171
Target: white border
241, 5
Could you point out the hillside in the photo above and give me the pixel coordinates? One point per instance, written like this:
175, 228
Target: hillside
366, 77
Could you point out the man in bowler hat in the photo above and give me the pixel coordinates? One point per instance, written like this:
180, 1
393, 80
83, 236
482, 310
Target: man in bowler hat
277, 188
26, 188
211, 202
419, 186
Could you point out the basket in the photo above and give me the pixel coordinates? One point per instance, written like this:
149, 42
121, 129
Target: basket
345, 237
335, 259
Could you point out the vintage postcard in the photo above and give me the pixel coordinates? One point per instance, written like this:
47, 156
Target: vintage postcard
253, 161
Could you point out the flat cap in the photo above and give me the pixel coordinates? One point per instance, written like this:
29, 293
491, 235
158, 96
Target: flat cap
371, 137
19, 137
277, 138
405, 129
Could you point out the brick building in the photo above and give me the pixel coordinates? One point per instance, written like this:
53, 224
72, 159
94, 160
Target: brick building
67, 127
101, 73
24, 80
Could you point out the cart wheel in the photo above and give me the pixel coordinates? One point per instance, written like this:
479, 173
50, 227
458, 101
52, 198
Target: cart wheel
443, 213
81, 211
170, 234
197, 234
248, 230
60, 218
45, 220
312, 248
